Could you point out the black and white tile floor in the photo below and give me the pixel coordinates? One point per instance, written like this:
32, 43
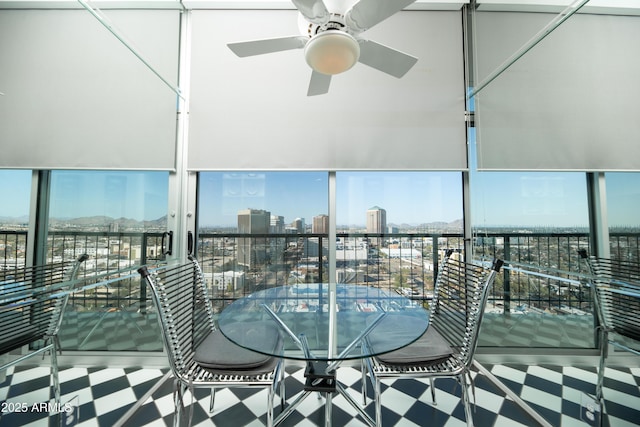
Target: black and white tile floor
107, 397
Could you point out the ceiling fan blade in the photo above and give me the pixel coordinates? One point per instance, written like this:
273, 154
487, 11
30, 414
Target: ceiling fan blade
367, 13
259, 47
385, 59
313, 10
319, 84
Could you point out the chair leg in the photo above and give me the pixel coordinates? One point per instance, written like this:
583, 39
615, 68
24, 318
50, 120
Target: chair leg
462, 379
376, 392
282, 387
432, 386
178, 402
270, 400
364, 382
54, 372
212, 399
604, 349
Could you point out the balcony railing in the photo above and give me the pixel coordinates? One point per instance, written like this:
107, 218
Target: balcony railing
115, 316
544, 278
13, 246
239, 264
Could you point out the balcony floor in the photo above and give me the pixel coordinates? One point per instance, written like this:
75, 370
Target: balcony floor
143, 397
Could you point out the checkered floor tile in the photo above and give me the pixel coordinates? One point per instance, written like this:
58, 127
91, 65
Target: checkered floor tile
98, 397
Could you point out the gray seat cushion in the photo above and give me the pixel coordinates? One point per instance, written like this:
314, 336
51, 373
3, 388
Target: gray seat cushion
429, 349
217, 353
396, 329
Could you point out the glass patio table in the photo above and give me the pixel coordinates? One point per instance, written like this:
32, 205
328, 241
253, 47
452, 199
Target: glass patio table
324, 325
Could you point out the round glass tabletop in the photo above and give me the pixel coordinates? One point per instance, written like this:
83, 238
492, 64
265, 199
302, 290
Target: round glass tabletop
384, 319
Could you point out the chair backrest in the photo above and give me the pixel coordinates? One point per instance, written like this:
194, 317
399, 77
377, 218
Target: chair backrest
616, 294
70, 283
184, 311
460, 296
33, 300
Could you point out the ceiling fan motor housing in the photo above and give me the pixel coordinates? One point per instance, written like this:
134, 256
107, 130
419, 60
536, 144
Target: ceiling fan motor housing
332, 52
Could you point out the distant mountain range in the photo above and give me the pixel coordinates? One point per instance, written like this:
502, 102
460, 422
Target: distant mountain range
93, 221
101, 220
436, 225
123, 223
14, 219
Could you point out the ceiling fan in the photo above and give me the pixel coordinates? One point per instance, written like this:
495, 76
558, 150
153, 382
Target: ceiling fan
331, 40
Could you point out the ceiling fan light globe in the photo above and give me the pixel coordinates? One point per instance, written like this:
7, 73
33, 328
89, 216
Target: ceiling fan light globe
332, 52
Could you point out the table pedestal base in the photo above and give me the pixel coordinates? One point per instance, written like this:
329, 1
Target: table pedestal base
318, 379
323, 382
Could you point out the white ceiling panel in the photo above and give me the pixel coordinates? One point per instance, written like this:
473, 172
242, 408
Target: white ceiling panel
616, 7
248, 113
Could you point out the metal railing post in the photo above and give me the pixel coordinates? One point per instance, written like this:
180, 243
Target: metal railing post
436, 259
507, 279
143, 284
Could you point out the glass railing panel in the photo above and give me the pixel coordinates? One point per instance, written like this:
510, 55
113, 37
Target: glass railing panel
111, 318
539, 300
119, 314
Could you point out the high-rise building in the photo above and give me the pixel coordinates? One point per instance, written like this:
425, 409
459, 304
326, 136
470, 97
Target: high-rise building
254, 221
298, 225
277, 224
320, 224
376, 220
252, 251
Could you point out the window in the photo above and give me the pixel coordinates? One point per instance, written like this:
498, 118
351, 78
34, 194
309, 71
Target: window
413, 201
536, 221
393, 227
542, 201
118, 218
290, 198
623, 205
14, 217
264, 229
261, 229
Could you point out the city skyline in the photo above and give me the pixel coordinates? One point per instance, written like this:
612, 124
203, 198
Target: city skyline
550, 199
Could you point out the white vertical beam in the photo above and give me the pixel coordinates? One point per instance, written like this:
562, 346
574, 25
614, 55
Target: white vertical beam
34, 220
598, 216
181, 184
467, 231
331, 258
466, 209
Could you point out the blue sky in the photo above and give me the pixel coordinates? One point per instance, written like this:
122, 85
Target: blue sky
507, 198
137, 195
289, 194
407, 197
15, 191
534, 199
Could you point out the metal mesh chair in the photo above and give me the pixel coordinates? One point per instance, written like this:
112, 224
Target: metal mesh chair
616, 294
446, 349
32, 304
199, 355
